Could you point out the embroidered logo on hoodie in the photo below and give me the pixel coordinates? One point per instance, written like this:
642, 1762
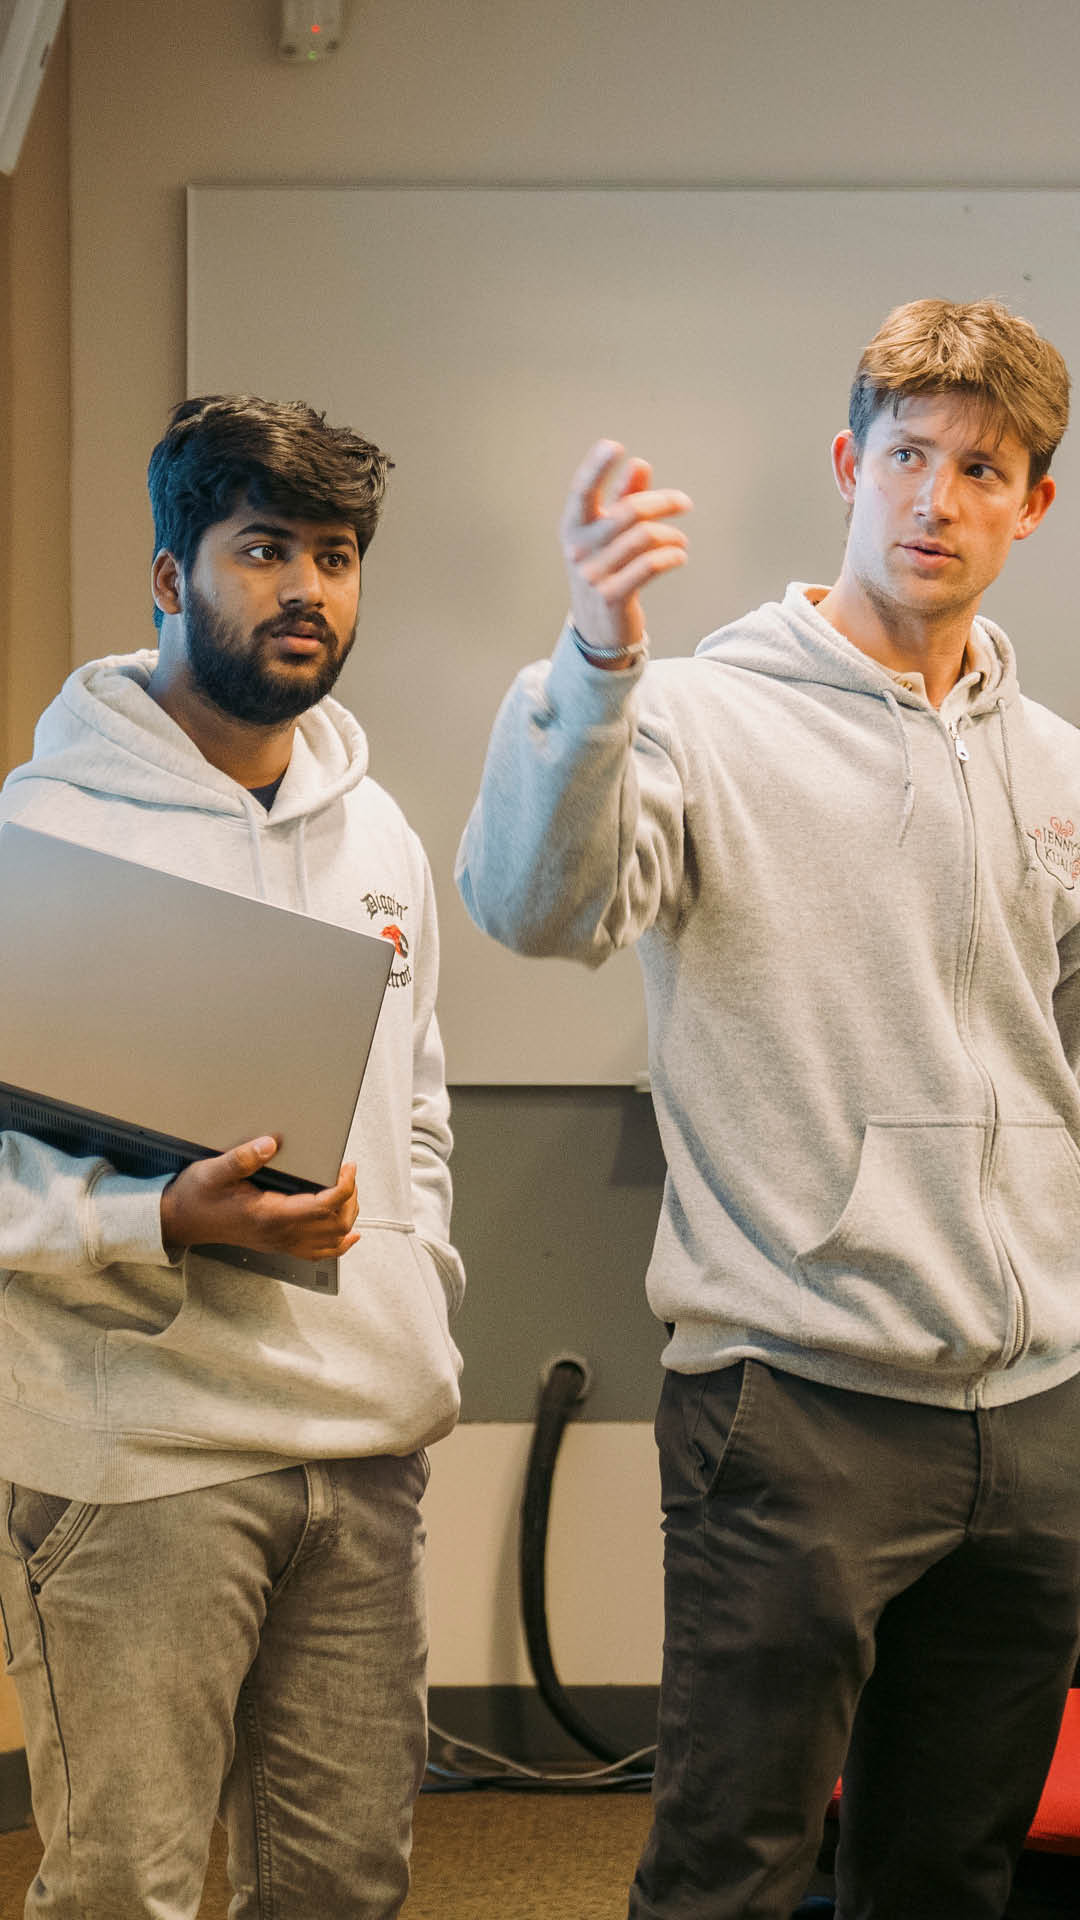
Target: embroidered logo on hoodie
1058, 849
392, 910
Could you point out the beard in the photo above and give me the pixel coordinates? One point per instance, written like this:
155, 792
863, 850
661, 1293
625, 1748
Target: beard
237, 674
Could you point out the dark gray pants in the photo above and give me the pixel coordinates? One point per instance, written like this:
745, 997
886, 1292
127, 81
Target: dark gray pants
867, 1584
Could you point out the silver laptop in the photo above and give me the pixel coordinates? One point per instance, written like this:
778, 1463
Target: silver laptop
156, 1021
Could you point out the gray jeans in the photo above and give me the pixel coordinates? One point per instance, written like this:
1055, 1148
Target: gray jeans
861, 1584
254, 1650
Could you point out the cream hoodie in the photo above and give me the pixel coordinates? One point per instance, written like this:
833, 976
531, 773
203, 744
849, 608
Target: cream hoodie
858, 921
123, 1375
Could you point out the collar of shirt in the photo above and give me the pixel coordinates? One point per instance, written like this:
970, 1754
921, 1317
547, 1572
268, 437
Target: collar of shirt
974, 672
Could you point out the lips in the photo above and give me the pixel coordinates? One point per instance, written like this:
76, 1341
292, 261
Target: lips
300, 643
299, 636
926, 557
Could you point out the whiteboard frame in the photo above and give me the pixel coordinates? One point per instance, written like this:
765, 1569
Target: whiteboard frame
485, 337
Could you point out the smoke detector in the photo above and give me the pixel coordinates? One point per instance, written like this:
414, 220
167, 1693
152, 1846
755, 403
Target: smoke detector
309, 32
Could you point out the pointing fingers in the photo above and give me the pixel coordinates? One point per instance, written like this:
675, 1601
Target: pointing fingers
587, 486
617, 534
590, 522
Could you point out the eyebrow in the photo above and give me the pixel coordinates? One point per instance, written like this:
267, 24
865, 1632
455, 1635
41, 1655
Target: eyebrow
987, 453
281, 530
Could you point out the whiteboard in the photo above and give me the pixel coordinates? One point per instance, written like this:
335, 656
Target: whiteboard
485, 338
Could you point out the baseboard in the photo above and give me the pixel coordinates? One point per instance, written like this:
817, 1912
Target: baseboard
14, 1791
515, 1720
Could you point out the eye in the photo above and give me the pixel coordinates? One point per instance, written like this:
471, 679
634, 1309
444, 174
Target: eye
337, 561
903, 456
263, 550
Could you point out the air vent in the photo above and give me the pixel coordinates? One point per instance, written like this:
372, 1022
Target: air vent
82, 1137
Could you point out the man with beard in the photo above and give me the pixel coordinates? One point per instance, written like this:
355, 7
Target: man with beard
210, 1538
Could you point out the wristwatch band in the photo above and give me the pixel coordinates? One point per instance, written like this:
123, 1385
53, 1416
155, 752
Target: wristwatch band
609, 656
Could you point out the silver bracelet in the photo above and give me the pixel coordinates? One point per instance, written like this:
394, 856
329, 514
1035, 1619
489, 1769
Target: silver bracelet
638, 650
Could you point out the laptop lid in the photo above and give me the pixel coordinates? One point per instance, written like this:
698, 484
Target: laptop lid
184, 1018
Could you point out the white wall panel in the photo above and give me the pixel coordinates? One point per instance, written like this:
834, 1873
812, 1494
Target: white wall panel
605, 1574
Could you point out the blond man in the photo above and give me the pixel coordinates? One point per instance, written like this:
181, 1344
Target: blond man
843, 843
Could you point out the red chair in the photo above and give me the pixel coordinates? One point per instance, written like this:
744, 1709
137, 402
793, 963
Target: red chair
1056, 1826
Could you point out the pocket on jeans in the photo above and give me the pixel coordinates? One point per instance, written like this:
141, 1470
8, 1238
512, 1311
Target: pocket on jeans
44, 1528
698, 1425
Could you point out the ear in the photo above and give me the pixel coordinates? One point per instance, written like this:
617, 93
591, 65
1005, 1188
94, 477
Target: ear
845, 463
165, 582
1034, 507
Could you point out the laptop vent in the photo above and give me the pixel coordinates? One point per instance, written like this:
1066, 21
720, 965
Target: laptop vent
86, 1137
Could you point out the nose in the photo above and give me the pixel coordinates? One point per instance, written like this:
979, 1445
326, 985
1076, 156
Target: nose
936, 498
301, 582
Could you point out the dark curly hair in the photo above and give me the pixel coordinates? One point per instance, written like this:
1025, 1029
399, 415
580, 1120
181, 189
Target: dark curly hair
222, 449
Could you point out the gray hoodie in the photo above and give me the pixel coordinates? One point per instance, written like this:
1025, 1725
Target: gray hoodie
857, 920
122, 1374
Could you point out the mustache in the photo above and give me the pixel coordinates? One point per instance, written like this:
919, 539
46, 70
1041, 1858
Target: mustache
312, 622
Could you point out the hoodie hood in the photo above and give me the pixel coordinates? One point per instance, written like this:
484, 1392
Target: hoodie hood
790, 640
104, 734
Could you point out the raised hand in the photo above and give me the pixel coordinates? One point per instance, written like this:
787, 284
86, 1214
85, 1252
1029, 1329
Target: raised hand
613, 547
214, 1202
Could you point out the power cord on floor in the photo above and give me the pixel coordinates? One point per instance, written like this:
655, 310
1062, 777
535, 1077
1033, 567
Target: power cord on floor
454, 1769
565, 1383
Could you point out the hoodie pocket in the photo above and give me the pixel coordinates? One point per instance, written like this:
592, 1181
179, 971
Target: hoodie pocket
255, 1365
435, 1291
449, 1274
909, 1275
1035, 1200
58, 1328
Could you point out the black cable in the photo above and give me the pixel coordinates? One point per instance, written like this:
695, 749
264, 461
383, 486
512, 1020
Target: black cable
564, 1386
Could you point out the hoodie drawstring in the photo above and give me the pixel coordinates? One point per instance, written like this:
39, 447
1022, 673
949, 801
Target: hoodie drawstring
255, 818
301, 868
909, 777
252, 819
1027, 850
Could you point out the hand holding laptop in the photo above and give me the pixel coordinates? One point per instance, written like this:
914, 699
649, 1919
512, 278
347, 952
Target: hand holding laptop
214, 1200
182, 966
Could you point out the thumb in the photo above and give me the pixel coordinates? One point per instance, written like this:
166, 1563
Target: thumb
241, 1162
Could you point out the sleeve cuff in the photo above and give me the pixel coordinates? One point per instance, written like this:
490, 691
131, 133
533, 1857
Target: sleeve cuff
124, 1224
596, 694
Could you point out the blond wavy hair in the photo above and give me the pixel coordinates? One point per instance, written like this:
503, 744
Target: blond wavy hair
980, 351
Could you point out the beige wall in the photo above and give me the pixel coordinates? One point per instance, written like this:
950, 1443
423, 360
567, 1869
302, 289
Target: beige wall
35, 619
6, 397
35, 603
589, 92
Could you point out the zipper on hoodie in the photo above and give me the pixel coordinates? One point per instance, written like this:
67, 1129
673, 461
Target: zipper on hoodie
1008, 1353
954, 735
